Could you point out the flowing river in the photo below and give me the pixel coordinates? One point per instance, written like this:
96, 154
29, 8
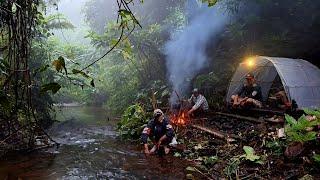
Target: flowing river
90, 149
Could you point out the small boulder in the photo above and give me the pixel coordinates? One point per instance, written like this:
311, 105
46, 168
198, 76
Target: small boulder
294, 149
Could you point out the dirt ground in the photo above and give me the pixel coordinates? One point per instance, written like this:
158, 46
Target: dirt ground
217, 158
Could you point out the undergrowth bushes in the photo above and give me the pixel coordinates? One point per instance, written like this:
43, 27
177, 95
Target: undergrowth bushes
132, 122
303, 129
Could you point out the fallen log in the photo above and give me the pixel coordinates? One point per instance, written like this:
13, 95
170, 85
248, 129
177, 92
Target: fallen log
251, 119
276, 112
216, 133
210, 131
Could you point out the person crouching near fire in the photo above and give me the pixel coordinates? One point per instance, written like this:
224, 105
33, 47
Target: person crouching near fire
159, 131
249, 95
199, 102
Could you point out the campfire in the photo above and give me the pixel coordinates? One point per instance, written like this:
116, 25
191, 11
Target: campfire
180, 119
179, 109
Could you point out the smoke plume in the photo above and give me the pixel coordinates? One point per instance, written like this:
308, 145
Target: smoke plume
185, 52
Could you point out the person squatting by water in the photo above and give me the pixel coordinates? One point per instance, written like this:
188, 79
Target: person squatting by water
249, 94
199, 102
159, 131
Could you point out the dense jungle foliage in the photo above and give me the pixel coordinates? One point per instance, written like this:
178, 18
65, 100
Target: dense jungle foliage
34, 63
268, 27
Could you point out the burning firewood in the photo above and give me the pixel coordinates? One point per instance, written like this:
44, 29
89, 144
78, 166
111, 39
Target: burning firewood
180, 119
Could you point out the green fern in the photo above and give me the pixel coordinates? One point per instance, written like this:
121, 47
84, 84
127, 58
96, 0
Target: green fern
296, 130
316, 158
313, 112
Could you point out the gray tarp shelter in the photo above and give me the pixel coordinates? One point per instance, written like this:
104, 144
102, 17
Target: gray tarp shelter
300, 79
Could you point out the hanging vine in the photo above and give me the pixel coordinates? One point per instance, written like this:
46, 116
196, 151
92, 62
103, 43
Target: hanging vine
127, 20
18, 118
20, 24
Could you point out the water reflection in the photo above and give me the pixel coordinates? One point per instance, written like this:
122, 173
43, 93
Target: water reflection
90, 149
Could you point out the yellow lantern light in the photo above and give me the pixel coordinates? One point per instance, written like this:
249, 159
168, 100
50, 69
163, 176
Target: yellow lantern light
250, 62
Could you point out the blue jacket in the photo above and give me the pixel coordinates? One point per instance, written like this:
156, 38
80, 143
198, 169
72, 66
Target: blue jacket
156, 130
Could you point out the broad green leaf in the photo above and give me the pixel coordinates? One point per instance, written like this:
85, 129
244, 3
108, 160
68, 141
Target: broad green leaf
309, 136
312, 112
315, 123
126, 17
54, 87
316, 157
250, 153
297, 130
301, 124
248, 150
124, 13
290, 119
252, 157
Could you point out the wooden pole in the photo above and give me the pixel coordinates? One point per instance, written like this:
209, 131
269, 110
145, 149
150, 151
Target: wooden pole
210, 131
216, 133
251, 119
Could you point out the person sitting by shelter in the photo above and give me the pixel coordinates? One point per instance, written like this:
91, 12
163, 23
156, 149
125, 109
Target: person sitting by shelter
160, 131
249, 94
199, 102
277, 96
281, 100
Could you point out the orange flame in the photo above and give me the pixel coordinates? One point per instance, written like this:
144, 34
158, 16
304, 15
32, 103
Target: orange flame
180, 119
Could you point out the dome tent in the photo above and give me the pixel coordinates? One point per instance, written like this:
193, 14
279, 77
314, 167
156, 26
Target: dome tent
300, 79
